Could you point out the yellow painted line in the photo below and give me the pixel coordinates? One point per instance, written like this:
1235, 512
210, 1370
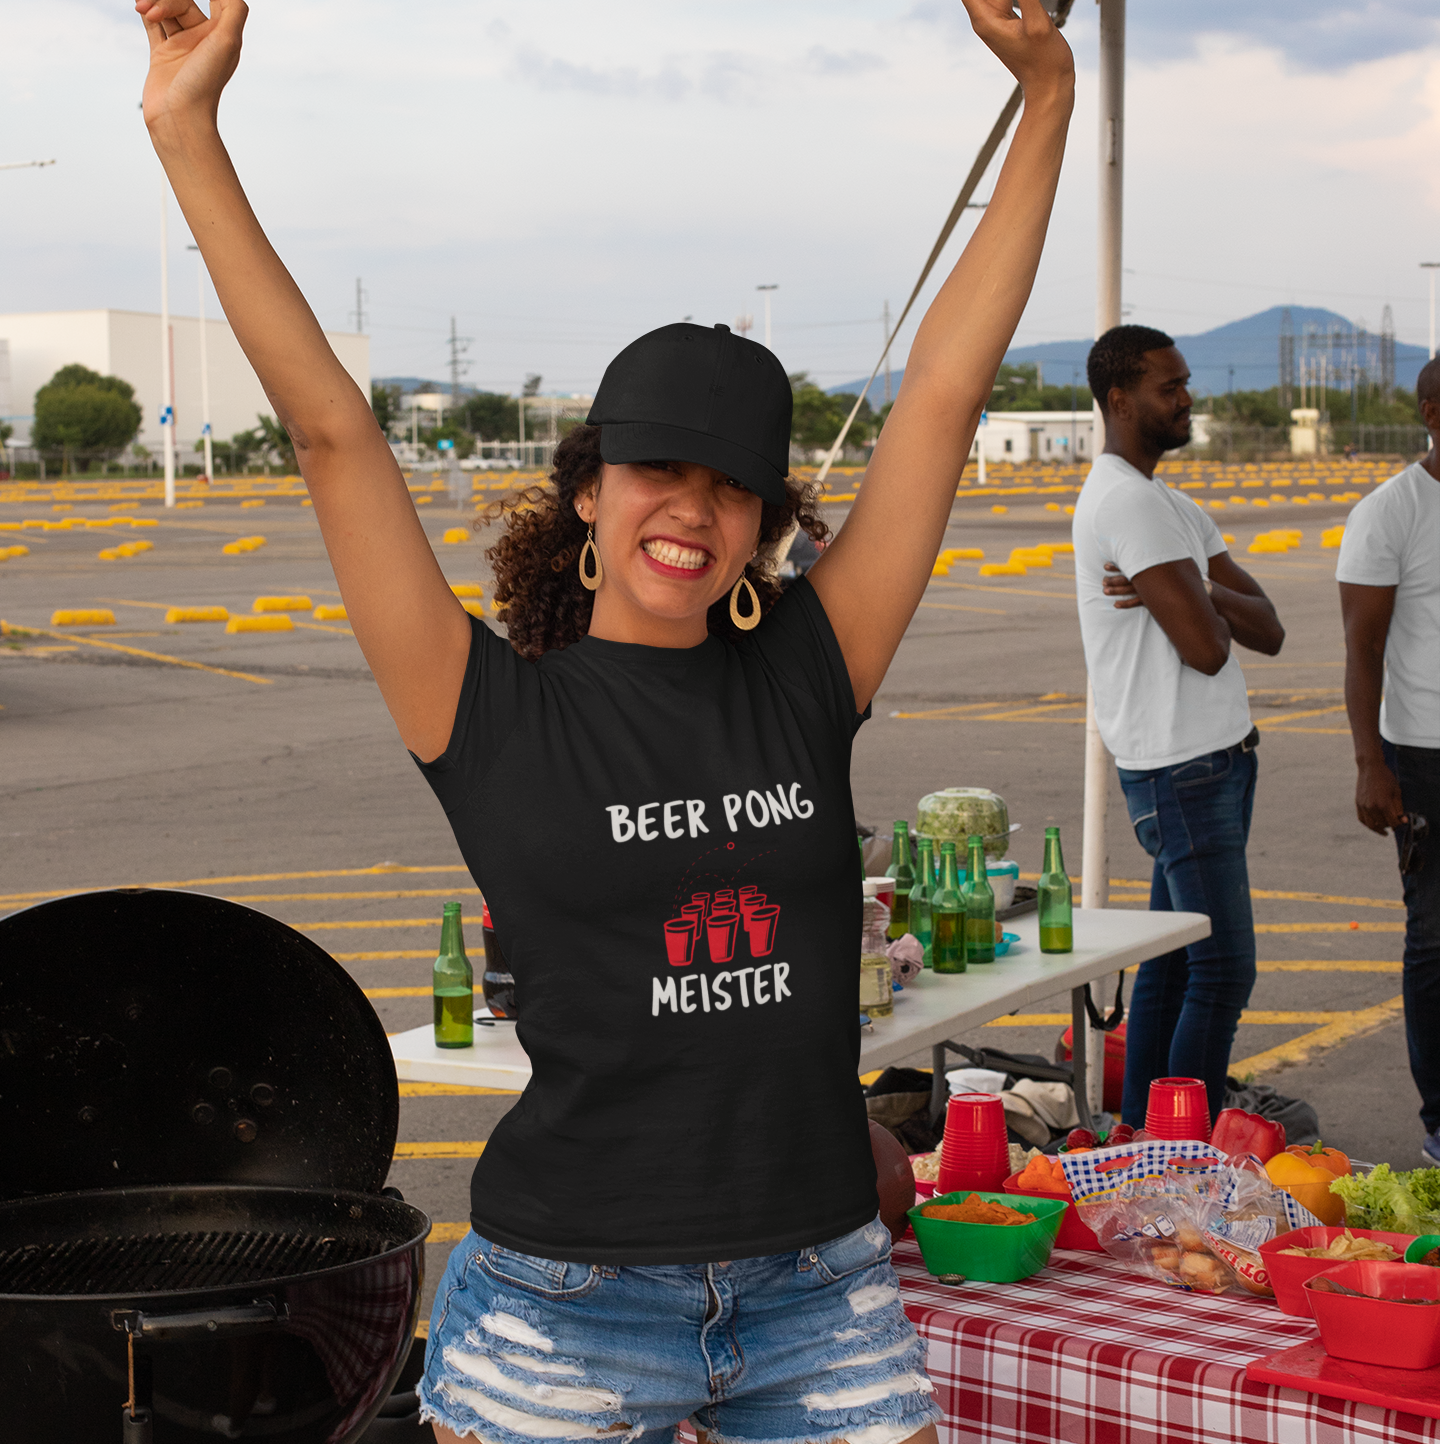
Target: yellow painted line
1343, 1029
366, 923
397, 992
1329, 927
1317, 731
1006, 591
384, 956
1325, 897
440, 1150
126, 602
444, 1233
1366, 965
1266, 722
358, 895
956, 607
153, 656
448, 1090
320, 627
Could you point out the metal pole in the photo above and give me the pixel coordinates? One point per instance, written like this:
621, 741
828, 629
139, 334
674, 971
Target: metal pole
767, 290
887, 353
1095, 877
167, 379
1431, 267
204, 373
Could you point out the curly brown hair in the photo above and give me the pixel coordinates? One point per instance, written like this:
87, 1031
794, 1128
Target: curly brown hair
537, 578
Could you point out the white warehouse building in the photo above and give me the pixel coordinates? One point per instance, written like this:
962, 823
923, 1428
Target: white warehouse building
1063, 436
127, 344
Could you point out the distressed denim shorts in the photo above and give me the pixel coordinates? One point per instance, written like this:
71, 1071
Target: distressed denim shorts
806, 1346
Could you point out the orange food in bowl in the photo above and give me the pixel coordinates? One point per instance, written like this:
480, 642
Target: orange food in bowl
977, 1210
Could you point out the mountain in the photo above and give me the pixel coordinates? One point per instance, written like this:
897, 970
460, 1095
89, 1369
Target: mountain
1251, 346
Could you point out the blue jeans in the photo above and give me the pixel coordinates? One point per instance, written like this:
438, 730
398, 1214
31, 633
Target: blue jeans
812, 1345
1418, 771
1194, 820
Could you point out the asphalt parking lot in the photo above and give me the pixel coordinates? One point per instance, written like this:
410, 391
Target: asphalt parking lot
263, 767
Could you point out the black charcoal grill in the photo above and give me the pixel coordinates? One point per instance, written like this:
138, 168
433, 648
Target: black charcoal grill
198, 1110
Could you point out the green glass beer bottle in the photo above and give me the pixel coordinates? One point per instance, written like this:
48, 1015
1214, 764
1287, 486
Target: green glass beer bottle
454, 985
904, 875
1057, 935
947, 917
920, 910
979, 905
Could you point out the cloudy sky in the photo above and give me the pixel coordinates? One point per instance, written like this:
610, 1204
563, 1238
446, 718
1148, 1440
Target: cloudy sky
563, 176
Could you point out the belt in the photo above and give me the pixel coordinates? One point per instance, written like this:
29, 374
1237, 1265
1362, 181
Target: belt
1248, 743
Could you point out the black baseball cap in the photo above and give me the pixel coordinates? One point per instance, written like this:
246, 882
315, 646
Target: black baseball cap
701, 394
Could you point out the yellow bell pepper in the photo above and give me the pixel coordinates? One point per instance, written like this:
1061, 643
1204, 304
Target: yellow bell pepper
1308, 1184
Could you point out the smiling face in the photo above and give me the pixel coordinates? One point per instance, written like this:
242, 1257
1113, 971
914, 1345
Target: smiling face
673, 538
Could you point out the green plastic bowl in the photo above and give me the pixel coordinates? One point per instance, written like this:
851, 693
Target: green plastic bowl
1421, 1246
993, 1253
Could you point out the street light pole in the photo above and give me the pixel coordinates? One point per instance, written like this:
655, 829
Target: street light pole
204, 371
167, 359
767, 290
1431, 266
1095, 858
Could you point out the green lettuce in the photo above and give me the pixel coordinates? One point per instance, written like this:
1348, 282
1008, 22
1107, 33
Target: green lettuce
1392, 1202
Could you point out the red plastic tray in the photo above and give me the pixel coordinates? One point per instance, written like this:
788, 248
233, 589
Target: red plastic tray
1073, 1233
1308, 1367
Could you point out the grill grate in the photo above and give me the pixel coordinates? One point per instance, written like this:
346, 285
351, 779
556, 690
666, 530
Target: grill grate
160, 1263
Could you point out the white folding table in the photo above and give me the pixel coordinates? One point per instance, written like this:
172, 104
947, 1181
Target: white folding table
929, 1012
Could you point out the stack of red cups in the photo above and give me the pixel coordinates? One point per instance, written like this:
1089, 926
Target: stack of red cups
1178, 1108
974, 1152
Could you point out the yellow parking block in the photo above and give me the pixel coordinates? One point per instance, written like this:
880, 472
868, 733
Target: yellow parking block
999, 510
83, 617
7, 552
1002, 569
324, 613
257, 501
283, 604
476, 609
467, 589
272, 622
455, 535
197, 614
962, 554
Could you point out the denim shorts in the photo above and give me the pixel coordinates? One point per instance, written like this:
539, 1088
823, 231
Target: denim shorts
805, 1346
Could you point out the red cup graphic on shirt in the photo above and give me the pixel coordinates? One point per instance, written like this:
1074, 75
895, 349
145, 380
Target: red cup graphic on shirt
680, 936
721, 930
750, 899
760, 924
696, 913
703, 898
725, 901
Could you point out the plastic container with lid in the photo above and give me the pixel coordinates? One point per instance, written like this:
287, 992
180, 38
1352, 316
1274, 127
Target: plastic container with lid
955, 813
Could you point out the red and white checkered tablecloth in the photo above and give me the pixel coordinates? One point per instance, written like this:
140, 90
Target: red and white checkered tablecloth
1091, 1353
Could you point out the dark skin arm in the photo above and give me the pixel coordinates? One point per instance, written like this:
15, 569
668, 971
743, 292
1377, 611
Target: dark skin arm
1201, 626
1366, 613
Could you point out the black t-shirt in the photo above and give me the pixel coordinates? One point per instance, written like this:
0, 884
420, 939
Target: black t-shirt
666, 842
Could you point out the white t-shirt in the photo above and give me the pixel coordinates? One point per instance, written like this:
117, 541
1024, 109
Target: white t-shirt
1392, 539
1153, 710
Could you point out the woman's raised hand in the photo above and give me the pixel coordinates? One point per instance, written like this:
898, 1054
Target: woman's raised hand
192, 56
1028, 44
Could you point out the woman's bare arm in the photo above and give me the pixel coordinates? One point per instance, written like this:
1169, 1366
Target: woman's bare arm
871, 578
413, 632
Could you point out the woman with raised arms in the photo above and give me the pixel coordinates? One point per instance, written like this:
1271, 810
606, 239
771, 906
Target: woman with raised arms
677, 1220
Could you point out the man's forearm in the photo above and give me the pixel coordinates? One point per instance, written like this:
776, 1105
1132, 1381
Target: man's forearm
1252, 619
1364, 682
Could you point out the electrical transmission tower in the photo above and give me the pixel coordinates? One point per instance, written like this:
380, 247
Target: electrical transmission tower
361, 296
1287, 361
458, 346
1387, 354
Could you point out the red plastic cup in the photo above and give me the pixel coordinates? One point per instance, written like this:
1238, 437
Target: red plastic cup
696, 913
750, 890
974, 1152
721, 930
725, 901
680, 942
703, 898
884, 890
1178, 1108
749, 905
760, 926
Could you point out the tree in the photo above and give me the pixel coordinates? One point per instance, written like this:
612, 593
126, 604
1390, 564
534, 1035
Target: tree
490, 416
385, 403
818, 416
1017, 388
274, 443
79, 410
464, 441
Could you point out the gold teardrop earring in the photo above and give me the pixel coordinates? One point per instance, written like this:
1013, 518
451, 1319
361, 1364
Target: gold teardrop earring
591, 579
746, 624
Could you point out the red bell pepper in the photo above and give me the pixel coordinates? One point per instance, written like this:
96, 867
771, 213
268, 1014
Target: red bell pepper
1239, 1132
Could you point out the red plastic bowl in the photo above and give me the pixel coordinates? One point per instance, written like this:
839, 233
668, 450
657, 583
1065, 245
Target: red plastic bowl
1288, 1274
1380, 1330
1073, 1233
923, 1188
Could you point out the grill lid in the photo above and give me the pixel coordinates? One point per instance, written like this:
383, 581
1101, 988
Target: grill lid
158, 1037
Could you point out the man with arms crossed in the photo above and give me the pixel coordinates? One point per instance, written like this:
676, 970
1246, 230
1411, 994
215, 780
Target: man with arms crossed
1389, 575
1160, 603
